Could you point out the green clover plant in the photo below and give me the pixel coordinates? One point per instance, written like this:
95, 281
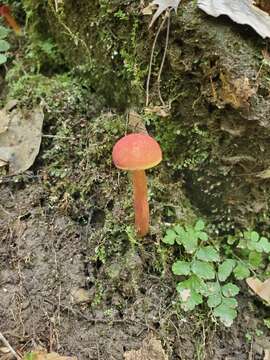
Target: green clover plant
4, 44
207, 276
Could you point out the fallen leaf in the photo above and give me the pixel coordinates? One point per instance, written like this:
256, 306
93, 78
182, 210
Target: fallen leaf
231, 128
136, 123
151, 350
236, 92
80, 296
158, 110
262, 289
43, 355
162, 5
4, 350
266, 355
4, 121
265, 174
20, 141
233, 160
241, 11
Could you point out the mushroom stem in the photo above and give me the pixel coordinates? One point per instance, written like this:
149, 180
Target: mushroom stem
140, 202
13, 24
5, 12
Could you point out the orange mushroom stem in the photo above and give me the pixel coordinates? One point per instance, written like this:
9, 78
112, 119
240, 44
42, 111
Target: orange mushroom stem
141, 206
137, 152
6, 13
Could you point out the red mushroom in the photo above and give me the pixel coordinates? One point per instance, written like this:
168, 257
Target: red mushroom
137, 152
6, 13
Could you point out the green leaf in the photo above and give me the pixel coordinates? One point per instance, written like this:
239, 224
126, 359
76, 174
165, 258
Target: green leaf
203, 270
267, 323
241, 271
225, 269
213, 288
189, 292
255, 259
189, 240
4, 45
208, 253
214, 300
203, 236
3, 59
230, 290
225, 313
254, 236
181, 268
214, 294
230, 302
179, 230
169, 238
190, 299
199, 225
3, 32
264, 245
231, 240
192, 283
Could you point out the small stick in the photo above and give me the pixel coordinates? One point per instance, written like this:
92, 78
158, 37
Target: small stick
151, 59
164, 57
6, 343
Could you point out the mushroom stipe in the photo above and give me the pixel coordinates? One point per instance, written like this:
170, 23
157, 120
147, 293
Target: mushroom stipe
137, 152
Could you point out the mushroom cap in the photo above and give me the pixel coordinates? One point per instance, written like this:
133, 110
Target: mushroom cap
4, 10
136, 152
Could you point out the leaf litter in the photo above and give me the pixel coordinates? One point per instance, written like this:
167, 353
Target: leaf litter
20, 137
242, 12
262, 289
151, 349
43, 355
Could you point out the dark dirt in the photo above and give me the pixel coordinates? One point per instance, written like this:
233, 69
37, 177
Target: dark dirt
54, 296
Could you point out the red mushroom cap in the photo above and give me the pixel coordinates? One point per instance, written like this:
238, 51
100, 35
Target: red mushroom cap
136, 152
4, 10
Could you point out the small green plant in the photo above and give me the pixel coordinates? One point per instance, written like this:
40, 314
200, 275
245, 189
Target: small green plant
4, 44
208, 273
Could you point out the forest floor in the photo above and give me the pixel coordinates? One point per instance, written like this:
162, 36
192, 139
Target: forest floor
72, 278
50, 297
62, 288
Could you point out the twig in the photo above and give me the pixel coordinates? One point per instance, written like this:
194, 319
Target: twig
6, 343
151, 59
164, 57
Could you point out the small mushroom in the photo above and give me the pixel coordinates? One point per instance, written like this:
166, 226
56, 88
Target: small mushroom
137, 152
6, 13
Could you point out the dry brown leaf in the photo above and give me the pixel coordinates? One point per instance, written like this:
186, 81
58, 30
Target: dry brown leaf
232, 129
236, 92
162, 5
158, 110
20, 142
241, 11
233, 160
262, 289
265, 174
151, 350
266, 355
4, 121
136, 123
43, 355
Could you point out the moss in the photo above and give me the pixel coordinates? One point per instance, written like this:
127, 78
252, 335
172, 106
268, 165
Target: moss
214, 109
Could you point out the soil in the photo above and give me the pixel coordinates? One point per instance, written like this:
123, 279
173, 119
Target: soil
57, 288
53, 296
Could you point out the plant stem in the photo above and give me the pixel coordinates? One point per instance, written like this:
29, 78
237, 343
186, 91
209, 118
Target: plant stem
141, 206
